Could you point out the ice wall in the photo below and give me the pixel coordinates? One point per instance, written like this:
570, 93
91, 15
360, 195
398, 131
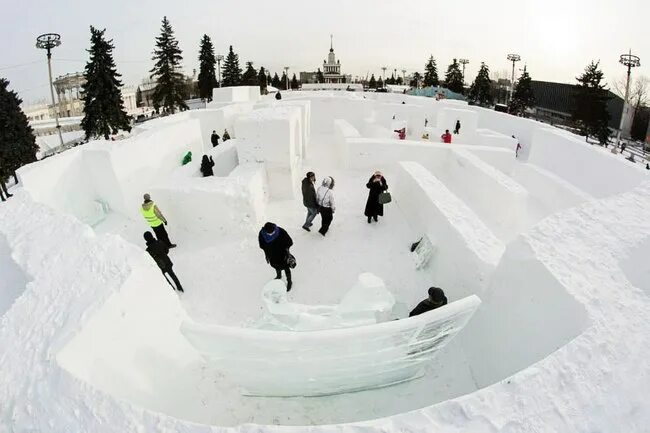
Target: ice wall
13, 281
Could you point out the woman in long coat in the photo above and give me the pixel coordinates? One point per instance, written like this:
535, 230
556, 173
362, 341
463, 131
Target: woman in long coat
377, 184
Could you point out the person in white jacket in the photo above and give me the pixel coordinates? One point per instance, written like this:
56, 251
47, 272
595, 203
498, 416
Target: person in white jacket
325, 200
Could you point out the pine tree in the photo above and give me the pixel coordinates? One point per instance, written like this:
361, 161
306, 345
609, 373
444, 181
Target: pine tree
269, 79
249, 78
262, 80
481, 89
275, 82
522, 97
294, 83
320, 78
283, 81
104, 112
415, 82
372, 83
231, 70
399, 81
207, 74
380, 83
170, 83
431, 73
454, 78
391, 80
590, 109
17, 143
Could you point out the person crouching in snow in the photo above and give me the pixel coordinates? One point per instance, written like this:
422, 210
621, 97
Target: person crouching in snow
377, 184
401, 133
446, 137
326, 207
226, 136
159, 252
275, 242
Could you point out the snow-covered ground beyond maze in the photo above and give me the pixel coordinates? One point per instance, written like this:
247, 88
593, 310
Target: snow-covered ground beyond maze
556, 251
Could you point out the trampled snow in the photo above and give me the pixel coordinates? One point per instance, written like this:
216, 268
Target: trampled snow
92, 336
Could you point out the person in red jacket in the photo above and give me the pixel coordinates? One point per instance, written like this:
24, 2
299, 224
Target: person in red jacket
446, 137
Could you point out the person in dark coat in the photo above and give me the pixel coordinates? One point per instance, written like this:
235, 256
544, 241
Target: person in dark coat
278, 96
457, 128
206, 166
309, 199
159, 252
226, 136
275, 242
214, 138
377, 184
435, 300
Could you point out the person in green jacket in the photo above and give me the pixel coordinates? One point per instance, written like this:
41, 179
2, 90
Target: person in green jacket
187, 158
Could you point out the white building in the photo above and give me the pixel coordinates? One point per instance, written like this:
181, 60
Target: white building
332, 68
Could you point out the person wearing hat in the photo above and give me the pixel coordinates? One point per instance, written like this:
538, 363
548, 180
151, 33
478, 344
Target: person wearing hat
435, 300
159, 252
275, 242
309, 199
156, 220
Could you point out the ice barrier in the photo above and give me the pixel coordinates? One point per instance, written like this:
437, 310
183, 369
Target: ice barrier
333, 361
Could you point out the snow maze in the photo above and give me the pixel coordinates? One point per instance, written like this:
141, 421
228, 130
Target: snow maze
544, 260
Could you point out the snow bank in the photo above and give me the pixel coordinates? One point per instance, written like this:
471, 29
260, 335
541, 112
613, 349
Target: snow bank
447, 118
235, 94
13, 281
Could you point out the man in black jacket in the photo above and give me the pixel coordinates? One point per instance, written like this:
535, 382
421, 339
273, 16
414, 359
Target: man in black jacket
309, 199
158, 250
275, 242
435, 300
214, 138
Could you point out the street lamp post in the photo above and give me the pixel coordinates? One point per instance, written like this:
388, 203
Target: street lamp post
383, 68
219, 59
48, 41
631, 61
404, 77
286, 74
514, 58
463, 62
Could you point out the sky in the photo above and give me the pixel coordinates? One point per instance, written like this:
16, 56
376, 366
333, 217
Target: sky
556, 39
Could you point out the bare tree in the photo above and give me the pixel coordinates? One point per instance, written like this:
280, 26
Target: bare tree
638, 90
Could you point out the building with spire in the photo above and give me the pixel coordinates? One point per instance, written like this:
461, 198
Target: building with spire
331, 70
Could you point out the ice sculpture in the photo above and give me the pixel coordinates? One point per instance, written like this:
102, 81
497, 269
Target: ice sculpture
329, 361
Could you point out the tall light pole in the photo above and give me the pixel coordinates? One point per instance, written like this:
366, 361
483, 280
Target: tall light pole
463, 62
514, 58
383, 68
219, 59
631, 61
286, 74
404, 76
48, 41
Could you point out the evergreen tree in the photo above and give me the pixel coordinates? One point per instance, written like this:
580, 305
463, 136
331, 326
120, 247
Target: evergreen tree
262, 80
249, 78
104, 112
275, 82
590, 109
17, 143
454, 78
320, 78
431, 73
523, 97
372, 83
170, 83
207, 74
283, 81
380, 83
399, 81
269, 79
391, 80
231, 69
481, 89
138, 97
294, 83
415, 82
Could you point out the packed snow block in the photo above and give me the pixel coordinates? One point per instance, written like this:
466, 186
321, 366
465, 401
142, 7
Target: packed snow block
305, 110
343, 131
13, 281
326, 107
409, 115
218, 120
235, 94
375, 154
508, 125
466, 250
496, 198
447, 118
273, 136
333, 361
583, 164
487, 137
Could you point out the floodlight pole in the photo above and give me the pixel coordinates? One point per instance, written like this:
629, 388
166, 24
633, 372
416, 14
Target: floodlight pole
48, 41
219, 59
286, 74
404, 77
631, 61
514, 58
463, 62
383, 68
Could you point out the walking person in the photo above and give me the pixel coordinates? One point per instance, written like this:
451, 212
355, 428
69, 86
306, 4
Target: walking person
159, 252
377, 184
275, 242
156, 220
214, 138
309, 199
457, 128
206, 166
326, 206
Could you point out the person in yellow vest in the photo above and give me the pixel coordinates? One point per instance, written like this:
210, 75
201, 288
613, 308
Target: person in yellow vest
156, 220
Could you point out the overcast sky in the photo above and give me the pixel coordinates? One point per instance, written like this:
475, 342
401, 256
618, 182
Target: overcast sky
555, 38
